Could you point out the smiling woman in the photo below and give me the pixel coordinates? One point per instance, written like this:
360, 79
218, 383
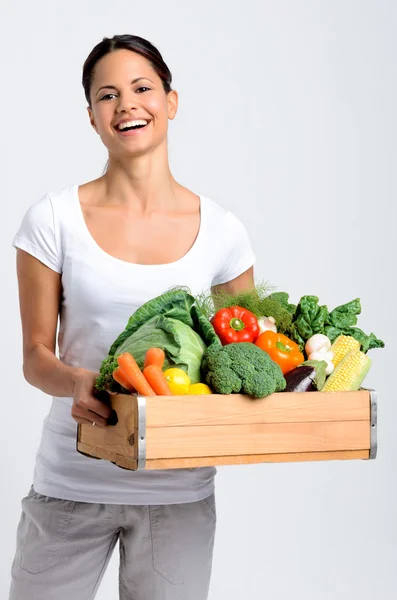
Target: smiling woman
89, 256
148, 94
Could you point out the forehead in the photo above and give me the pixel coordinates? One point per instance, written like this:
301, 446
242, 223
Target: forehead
122, 64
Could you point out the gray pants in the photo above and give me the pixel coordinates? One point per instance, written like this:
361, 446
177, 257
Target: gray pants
63, 549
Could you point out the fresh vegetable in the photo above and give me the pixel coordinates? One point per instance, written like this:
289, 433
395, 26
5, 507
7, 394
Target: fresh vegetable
241, 368
281, 349
300, 379
257, 300
105, 381
154, 356
317, 343
349, 374
132, 373
326, 357
310, 318
266, 323
235, 324
155, 378
283, 299
199, 389
172, 322
317, 348
306, 377
342, 346
178, 381
123, 381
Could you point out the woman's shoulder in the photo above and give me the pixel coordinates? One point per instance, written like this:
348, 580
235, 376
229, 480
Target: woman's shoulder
221, 214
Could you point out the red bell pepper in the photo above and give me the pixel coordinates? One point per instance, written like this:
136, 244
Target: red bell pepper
235, 324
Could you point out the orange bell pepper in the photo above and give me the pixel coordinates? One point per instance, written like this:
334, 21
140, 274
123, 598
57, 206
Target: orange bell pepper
281, 349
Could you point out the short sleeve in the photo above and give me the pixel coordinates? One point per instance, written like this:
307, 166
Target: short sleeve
236, 254
37, 234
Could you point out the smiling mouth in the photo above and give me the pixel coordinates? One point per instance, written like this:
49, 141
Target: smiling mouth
132, 127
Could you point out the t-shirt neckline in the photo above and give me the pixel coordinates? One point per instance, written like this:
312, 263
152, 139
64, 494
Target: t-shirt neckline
97, 247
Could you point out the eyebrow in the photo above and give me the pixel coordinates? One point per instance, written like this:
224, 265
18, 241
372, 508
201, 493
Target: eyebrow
111, 86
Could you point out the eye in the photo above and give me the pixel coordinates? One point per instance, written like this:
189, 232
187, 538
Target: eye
107, 96
144, 88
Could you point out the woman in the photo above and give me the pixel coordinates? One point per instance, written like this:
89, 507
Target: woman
91, 255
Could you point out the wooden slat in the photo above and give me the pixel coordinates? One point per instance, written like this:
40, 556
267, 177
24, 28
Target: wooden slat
178, 411
112, 455
207, 461
195, 431
116, 439
224, 440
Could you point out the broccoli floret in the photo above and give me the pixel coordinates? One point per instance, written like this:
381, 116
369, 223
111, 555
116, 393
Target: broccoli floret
216, 369
241, 367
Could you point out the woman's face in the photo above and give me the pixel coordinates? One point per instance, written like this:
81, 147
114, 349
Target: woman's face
125, 87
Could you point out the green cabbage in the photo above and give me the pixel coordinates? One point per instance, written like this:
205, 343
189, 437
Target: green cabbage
173, 322
183, 347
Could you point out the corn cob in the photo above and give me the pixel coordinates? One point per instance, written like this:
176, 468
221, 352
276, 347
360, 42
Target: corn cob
349, 374
341, 346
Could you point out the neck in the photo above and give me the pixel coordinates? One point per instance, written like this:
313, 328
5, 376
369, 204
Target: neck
143, 182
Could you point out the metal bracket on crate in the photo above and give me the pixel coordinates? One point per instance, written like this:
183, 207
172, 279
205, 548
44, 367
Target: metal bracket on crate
141, 434
374, 423
373, 397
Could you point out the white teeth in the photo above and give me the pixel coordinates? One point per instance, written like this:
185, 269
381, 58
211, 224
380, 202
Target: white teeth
132, 124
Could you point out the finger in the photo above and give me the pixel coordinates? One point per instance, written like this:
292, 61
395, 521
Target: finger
95, 406
88, 416
82, 420
97, 419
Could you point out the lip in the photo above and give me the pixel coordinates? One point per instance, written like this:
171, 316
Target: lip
132, 131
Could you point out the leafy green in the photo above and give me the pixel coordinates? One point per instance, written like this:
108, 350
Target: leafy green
173, 322
283, 299
182, 346
176, 304
310, 318
345, 315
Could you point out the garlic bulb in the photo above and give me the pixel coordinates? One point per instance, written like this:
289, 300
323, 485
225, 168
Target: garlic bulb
266, 323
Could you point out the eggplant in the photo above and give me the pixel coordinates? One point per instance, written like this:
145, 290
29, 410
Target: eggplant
308, 377
300, 379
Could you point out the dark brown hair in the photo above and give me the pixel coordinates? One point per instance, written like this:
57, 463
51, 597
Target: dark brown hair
127, 42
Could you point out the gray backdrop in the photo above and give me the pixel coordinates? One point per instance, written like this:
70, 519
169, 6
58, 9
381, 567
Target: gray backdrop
287, 116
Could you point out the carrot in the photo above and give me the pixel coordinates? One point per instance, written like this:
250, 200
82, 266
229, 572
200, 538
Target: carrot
154, 356
156, 380
119, 377
133, 374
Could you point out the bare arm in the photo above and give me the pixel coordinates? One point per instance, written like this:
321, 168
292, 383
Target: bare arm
242, 283
39, 299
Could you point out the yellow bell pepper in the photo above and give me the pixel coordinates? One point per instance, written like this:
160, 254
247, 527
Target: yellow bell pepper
199, 389
178, 381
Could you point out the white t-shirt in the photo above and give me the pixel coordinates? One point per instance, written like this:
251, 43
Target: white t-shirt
100, 293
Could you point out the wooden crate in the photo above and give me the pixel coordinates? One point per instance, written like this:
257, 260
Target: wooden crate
168, 432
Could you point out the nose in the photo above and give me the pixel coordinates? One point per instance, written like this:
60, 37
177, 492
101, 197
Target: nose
126, 103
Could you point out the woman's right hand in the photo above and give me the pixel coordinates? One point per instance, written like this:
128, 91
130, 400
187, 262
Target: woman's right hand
86, 407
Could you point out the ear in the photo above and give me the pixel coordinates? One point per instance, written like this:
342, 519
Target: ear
172, 99
91, 117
